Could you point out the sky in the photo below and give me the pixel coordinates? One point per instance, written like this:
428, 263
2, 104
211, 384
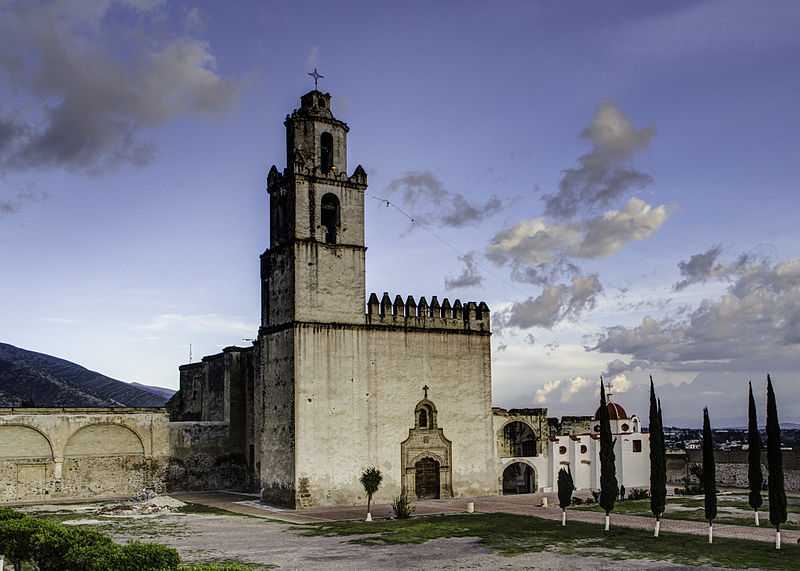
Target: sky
617, 180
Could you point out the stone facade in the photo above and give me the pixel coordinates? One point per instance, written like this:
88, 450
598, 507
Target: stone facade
81, 453
335, 382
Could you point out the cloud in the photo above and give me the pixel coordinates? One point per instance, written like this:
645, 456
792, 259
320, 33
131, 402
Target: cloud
201, 323
602, 175
754, 325
538, 250
580, 390
89, 93
703, 267
14, 205
429, 202
554, 304
470, 276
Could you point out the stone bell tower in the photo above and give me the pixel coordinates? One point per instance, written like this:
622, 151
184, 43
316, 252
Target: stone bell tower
314, 269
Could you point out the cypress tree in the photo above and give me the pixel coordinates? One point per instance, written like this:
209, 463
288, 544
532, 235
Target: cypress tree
777, 493
709, 475
658, 473
755, 477
565, 488
609, 489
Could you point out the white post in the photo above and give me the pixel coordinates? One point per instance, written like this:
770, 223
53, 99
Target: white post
470, 509
563, 520
711, 532
658, 528
608, 523
369, 516
757, 524
544, 502
2, 562
777, 540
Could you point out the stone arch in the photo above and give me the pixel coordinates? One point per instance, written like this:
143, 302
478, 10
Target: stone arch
425, 410
106, 460
517, 439
330, 216
519, 477
25, 439
325, 152
104, 439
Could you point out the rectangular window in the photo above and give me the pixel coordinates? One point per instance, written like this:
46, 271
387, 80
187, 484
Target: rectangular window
637, 445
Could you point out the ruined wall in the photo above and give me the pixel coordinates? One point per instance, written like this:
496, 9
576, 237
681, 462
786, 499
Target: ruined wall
357, 388
276, 418
212, 426
81, 453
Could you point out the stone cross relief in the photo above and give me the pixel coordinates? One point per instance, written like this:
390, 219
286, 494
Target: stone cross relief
425, 388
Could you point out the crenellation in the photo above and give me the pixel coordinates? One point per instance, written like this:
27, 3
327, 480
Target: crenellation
409, 314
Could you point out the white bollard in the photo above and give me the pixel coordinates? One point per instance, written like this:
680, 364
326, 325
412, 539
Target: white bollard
658, 528
710, 533
608, 523
563, 518
544, 501
369, 516
470, 507
777, 540
757, 524
2, 562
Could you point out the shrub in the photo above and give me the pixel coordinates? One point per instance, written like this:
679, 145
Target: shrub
576, 501
52, 542
16, 537
8, 513
96, 557
596, 495
402, 507
638, 494
136, 556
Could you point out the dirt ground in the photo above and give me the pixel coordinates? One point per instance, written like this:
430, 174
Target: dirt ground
257, 541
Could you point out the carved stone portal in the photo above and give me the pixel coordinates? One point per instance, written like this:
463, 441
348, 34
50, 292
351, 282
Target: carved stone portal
426, 457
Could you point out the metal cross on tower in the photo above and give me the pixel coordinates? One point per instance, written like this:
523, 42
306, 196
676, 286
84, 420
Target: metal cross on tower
317, 76
425, 388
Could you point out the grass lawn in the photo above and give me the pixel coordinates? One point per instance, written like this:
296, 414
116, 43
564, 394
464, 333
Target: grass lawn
731, 509
512, 534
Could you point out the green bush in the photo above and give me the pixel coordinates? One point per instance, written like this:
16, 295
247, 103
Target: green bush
402, 507
52, 542
136, 556
97, 557
8, 513
16, 538
638, 494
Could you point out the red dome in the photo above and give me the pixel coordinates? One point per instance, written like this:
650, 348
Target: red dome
615, 412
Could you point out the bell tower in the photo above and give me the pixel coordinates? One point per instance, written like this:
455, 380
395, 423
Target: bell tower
314, 268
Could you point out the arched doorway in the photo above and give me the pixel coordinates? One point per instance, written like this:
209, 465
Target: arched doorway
519, 478
426, 478
517, 440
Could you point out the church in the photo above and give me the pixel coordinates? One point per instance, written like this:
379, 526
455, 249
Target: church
334, 382
337, 381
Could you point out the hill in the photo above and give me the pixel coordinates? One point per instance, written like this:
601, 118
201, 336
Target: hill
28, 378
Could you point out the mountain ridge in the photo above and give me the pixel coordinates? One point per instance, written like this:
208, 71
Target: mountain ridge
30, 378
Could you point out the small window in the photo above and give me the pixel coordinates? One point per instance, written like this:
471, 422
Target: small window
625, 427
326, 152
423, 418
637, 445
562, 450
597, 428
584, 449
330, 217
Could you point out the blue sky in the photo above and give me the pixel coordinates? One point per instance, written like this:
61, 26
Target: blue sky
135, 138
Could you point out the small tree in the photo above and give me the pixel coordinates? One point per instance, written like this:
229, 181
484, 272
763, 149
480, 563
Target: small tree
658, 469
777, 493
709, 476
565, 488
754, 474
608, 468
371, 479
